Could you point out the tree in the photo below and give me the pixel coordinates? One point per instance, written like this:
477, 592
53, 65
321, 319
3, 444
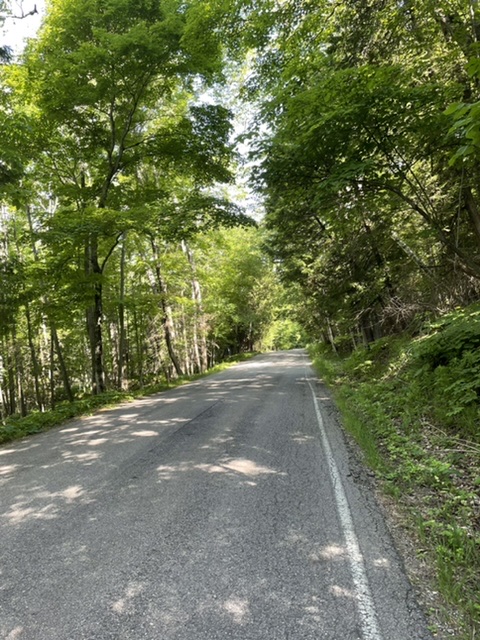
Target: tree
109, 85
356, 152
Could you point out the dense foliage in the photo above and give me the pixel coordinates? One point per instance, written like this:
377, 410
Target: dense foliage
122, 260
367, 151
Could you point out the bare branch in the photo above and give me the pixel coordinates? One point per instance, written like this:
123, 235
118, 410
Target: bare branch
24, 15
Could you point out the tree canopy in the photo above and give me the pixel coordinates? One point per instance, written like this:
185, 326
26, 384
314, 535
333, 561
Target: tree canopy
121, 259
366, 143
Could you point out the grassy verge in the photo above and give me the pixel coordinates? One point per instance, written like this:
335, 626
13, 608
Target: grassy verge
413, 405
17, 427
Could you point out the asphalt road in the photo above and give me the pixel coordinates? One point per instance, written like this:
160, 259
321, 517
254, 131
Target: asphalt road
230, 508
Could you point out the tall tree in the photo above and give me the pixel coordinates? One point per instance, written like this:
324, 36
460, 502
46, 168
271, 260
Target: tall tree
105, 80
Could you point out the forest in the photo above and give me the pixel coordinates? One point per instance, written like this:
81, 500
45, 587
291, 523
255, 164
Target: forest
124, 260
126, 253
185, 181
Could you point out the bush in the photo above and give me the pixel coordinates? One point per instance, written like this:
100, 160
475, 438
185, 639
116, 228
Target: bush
445, 364
449, 339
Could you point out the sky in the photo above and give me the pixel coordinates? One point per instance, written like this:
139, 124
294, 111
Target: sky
16, 30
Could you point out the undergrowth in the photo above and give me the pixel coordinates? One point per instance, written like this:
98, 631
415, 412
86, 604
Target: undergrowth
17, 427
414, 407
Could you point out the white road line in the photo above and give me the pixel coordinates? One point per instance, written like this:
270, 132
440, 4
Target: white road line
366, 606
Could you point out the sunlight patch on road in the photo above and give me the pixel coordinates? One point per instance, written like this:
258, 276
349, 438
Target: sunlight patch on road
238, 609
341, 592
145, 433
302, 438
247, 467
31, 508
93, 442
15, 633
218, 440
89, 457
241, 466
7, 468
382, 563
96, 442
332, 552
5, 452
125, 604
19, 514
315, 612
71, 493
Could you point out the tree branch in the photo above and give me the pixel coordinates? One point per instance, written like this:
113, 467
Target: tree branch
25, 15
111, 250
468, 265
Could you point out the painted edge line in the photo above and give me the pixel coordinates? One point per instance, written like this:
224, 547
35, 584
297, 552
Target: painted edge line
366, 606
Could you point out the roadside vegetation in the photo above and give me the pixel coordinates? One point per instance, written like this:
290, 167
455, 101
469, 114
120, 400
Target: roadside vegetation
413, 405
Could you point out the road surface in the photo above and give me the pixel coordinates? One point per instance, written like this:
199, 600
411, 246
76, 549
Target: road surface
229, 509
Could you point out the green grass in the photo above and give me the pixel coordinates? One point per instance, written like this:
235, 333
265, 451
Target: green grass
17, 427
413, 405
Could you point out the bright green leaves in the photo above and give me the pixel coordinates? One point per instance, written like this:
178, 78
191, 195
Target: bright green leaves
125, 145
112, 83
197, 144
13, 133
465, 129
201, 39
84, 73
351, 129
363, 208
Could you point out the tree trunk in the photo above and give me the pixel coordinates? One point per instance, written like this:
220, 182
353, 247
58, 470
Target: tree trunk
168, 324
186, 350
11, 389
138, 344
52, 372
167, 318
2, 393
331, 337
95, 317
196, 350
19, 375
61, 362
122, 341
33, 356
200, 323
473, 212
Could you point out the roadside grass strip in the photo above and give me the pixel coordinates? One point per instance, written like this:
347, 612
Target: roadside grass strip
413, 406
